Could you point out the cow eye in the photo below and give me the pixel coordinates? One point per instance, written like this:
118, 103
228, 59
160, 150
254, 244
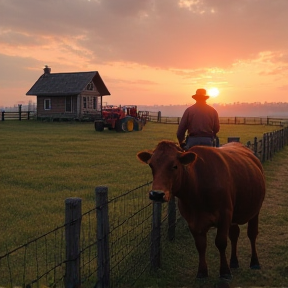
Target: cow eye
174, 167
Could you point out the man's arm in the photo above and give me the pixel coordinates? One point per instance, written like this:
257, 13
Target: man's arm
216, 127
182, 128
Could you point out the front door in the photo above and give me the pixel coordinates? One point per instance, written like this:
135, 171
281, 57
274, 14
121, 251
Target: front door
68, 104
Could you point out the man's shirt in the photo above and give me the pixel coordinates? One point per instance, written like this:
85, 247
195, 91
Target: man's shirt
201, 120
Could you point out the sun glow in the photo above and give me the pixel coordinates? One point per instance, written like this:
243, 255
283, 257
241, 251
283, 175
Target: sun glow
213, 92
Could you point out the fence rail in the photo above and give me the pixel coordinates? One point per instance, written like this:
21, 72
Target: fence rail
269, 144
157, 117
104, 248
17, 115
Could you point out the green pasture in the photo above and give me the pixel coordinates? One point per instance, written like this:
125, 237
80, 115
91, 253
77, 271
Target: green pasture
44, 163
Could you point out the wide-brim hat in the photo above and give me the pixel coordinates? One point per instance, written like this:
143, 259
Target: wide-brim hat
200, 94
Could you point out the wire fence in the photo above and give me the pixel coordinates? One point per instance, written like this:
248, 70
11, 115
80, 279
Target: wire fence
43, 260
37, 261
157, 117
269, 144
133, 239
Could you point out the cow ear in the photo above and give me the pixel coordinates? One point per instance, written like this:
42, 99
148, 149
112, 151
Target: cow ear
144, 156
187, 157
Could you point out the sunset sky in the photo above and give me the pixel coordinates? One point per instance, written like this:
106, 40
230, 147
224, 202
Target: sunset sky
149, 52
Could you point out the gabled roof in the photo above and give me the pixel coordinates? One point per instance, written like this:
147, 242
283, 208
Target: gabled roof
63, 84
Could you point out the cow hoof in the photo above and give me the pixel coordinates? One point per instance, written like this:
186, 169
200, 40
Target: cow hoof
226, 276
202, 275
234, 265
255, 267
222, 284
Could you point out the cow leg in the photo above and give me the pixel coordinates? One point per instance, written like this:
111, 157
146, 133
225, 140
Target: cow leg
234, 232
252, 233
221, 244
201, 244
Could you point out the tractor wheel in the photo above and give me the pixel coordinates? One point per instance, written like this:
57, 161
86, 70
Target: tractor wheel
128, 125
99, 126
138, 125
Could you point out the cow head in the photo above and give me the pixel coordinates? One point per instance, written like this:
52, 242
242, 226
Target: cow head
167, 163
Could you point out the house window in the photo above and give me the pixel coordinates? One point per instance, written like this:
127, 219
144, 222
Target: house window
99, 104
89, 100
47, 104
95, 103
68, 104
90, 86
84, 102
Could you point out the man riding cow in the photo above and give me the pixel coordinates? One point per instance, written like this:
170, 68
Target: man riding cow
201, 121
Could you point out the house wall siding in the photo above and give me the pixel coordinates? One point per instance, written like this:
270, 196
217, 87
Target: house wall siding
58, 105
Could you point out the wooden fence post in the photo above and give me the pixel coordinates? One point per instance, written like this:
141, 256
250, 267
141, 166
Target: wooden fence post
267, 146
155, 253
159, 116
3, 117
273, 143
270, 146
256, 147
103, 259
282, 138
264, 147
73, 214
171, 218
20, 108
277, 148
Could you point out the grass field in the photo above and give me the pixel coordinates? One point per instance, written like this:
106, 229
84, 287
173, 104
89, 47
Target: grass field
44, 163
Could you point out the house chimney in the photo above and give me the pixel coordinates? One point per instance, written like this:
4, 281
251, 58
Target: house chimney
47, 70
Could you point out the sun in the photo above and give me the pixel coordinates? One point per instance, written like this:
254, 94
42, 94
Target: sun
213, 92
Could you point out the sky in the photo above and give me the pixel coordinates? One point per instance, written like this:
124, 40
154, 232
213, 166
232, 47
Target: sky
149, 52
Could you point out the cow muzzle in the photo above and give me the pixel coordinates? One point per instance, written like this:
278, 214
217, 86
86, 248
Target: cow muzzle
157, 196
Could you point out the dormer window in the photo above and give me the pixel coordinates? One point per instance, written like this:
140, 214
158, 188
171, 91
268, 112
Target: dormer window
90, 86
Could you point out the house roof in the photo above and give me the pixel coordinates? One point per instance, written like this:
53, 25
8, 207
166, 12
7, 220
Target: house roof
64, 84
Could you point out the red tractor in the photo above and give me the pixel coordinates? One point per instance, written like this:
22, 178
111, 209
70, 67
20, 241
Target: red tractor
120, 118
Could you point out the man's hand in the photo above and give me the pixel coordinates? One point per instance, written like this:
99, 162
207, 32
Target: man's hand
182, 145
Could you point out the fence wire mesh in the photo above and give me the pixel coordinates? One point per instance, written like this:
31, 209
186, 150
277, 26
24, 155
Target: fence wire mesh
88, 248
42, 261
39, 261
130, 217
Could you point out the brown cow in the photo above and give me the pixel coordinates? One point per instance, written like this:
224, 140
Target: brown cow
216, 187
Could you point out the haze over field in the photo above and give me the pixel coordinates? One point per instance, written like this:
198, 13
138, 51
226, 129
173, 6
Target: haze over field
273, 110
149, 52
